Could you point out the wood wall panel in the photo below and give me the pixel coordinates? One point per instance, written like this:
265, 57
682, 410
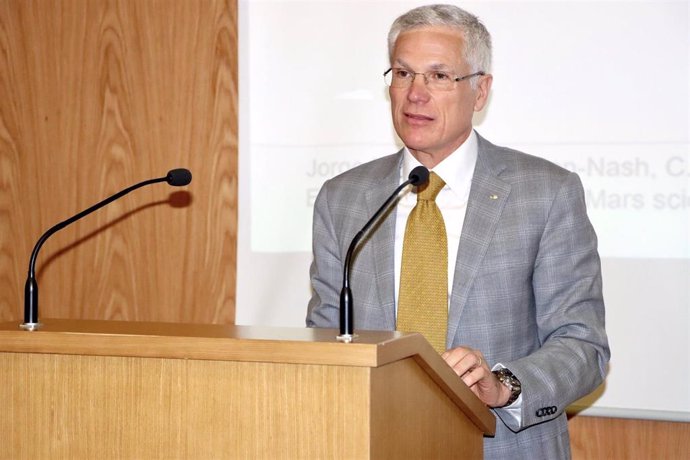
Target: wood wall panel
604, 438
97, 95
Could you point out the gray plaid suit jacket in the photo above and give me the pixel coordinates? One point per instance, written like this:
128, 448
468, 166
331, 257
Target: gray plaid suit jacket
527, 289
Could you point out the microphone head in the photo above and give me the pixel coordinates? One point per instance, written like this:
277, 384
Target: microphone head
418, 176
179, 177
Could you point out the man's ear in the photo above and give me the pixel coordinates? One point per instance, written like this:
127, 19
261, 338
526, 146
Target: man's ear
483, 88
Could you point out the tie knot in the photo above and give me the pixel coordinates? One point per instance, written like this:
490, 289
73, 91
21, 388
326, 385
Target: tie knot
431, 189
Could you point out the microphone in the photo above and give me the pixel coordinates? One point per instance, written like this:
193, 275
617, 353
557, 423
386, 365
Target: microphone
175, 177
418, 176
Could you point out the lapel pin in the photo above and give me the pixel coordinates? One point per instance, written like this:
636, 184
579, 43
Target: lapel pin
493, 197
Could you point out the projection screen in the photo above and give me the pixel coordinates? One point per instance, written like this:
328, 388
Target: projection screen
599, 87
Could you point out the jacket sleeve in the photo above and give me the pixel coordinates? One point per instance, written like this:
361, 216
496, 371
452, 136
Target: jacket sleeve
326, 267
572, 359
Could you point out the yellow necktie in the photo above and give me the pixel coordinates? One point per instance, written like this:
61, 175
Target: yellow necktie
423, 297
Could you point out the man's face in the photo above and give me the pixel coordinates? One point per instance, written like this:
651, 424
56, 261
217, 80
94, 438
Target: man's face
433, 124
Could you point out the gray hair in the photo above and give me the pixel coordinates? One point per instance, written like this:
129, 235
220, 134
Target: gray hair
477, 50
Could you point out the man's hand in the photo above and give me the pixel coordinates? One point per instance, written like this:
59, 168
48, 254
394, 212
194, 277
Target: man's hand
471, 367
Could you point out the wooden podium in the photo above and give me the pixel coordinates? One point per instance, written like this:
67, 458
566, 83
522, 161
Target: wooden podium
127, 390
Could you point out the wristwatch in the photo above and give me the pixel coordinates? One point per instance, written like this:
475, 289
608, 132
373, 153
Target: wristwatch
508, 379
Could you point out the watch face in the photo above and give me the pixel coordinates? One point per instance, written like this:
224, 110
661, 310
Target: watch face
508, 379
511, 382
505, 376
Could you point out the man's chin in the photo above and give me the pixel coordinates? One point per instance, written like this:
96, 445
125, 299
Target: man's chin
415, 143
416, 147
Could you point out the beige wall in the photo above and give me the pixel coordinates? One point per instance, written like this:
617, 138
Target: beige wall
96, 96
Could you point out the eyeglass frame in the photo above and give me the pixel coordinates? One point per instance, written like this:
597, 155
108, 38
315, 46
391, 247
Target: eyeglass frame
426, 79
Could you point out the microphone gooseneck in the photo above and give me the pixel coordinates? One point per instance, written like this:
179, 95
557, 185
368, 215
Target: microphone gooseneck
175, 177
417, 176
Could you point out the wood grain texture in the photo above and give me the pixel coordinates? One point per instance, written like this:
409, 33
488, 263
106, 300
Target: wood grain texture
122, 407
280, 393
427, 423
628, 439
247, 343
215, 342
98, 95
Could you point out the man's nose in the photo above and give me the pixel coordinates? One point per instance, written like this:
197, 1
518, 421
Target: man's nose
418, 91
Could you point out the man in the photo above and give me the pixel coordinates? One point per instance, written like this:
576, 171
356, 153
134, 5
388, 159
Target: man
525, 314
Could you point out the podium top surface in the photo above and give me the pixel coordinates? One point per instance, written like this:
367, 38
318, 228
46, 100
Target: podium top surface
207, 341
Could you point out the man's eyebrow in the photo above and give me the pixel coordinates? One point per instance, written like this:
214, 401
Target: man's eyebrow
401, 63
439, 66
435, 66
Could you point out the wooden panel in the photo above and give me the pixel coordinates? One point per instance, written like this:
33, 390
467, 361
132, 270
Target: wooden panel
98, 95
427, 422
241, 391
276, 411
245, 343
628, 439
111, 407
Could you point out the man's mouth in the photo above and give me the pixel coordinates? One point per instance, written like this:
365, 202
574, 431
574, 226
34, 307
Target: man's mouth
418, 118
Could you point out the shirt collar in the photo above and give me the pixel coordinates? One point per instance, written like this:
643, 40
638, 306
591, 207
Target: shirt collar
456, 169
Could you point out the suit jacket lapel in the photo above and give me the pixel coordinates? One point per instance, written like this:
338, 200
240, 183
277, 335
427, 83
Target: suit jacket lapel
488, 196
382, 239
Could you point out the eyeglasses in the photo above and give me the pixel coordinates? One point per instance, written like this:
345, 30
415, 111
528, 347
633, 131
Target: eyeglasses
397, 77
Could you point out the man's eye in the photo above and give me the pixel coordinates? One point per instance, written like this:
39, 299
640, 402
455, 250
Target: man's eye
401, 73
440, 76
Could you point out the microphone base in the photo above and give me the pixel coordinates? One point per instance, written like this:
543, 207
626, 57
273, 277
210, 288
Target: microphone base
30, 326
346, 338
